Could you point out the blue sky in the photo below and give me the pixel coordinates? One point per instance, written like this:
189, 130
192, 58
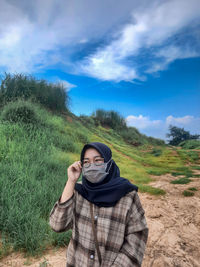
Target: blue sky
140, 58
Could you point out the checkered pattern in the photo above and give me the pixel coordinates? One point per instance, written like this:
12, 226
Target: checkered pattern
121, 231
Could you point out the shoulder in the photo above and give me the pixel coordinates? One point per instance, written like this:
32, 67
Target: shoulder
132, 200
127, 200
130, 196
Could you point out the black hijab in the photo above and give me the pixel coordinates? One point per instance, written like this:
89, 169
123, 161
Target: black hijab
107, 192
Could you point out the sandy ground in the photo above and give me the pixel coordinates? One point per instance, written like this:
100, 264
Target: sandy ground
174, 230
174, 225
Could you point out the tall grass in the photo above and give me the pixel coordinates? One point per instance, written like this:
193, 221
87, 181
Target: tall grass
32, 176
51, 95
33, 171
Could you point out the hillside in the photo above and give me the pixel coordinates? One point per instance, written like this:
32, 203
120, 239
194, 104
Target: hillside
35, 154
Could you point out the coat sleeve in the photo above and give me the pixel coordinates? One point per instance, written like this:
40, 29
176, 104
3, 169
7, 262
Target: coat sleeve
136, 234
61, 215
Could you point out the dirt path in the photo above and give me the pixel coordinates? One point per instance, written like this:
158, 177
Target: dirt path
174, 230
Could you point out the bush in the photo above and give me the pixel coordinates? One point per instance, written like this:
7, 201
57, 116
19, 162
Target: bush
110, 119
190, 144
21, 111
52, 96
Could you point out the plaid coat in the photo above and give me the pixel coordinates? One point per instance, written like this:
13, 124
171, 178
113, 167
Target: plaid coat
121, 231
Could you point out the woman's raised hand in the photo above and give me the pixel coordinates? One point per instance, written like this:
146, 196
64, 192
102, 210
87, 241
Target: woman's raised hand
74, 171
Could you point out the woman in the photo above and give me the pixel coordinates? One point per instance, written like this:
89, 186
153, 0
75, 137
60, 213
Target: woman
118, 220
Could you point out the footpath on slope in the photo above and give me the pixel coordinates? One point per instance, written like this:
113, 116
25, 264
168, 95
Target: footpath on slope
174, 230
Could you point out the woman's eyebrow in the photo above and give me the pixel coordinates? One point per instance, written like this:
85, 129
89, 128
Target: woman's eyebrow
94, 157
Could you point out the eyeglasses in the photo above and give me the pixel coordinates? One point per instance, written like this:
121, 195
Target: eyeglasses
98, 162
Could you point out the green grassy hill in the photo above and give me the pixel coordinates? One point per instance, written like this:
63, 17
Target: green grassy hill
36, 148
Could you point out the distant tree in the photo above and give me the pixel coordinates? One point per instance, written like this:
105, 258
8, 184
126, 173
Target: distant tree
178, 135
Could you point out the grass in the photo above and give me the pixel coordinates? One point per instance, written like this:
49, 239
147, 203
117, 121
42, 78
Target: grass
190, 144
192, 189
188, 156
33, 171
156, 152
181, 181
186, 171
151, 190
196, 176
188, 193
195, 167
156, 171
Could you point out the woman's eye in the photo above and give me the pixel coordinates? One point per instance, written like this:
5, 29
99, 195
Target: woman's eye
98, 160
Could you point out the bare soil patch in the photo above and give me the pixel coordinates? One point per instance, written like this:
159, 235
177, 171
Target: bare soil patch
174, 225
174, 230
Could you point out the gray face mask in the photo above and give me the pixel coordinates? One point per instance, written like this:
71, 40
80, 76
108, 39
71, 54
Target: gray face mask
96, 174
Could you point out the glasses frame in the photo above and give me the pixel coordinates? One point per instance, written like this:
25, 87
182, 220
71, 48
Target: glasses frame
95, 163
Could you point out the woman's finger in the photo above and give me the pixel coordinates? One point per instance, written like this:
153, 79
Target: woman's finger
79, 163
76, 165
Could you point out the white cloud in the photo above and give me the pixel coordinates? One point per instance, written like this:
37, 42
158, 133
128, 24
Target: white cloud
68, 86
105, 67
83, 41
168, 54
182, 120
39, 34
149, 28
33, 32
159, 128
142, 122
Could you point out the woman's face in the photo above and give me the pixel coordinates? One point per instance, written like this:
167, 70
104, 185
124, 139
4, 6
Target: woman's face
92, 156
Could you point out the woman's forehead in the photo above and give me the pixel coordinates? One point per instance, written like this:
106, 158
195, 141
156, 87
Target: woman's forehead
91, 153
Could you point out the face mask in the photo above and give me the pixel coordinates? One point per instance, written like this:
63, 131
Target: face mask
96, 174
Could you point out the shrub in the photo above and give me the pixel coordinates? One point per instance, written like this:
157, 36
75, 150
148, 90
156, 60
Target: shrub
52, 96
110, 119
21, 111
190, 144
